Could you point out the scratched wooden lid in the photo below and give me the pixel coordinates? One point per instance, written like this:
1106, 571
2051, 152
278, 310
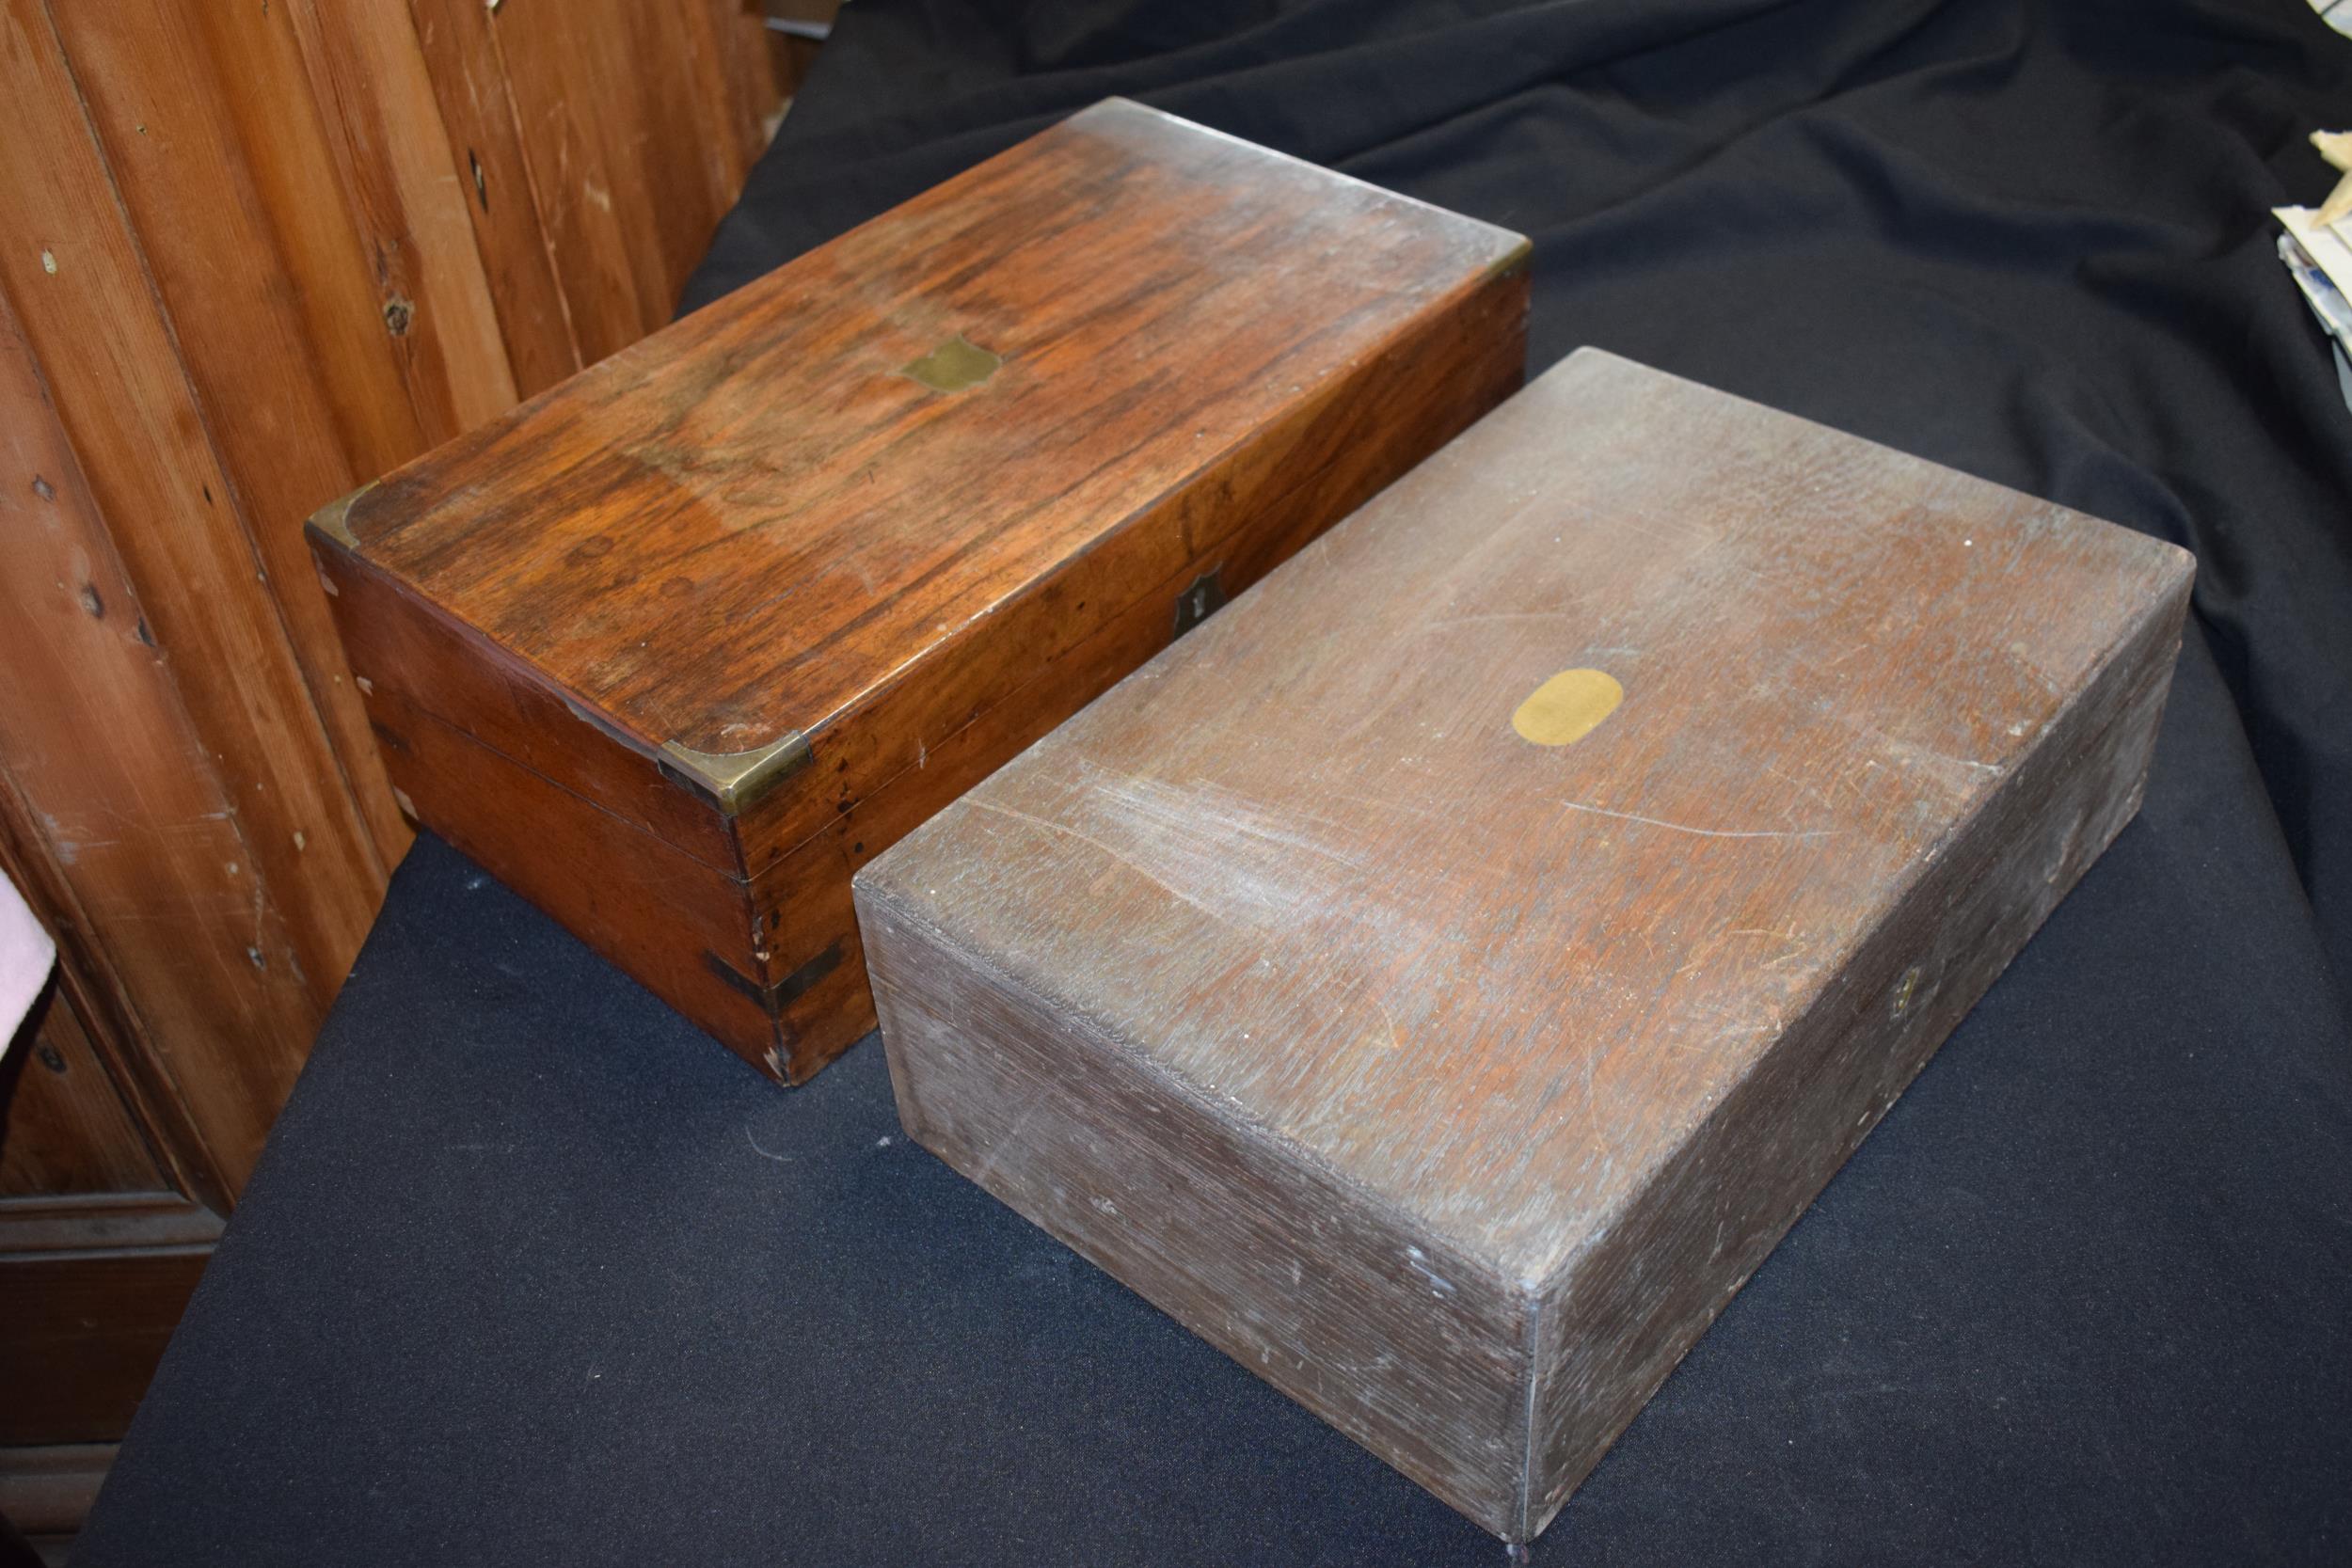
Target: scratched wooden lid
731, 534
1482, 849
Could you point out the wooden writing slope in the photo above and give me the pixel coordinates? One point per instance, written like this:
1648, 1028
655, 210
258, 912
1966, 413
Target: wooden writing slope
676, 648
1440, 980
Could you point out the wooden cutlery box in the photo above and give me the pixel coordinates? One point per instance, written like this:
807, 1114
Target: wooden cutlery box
1442, 978
676, 648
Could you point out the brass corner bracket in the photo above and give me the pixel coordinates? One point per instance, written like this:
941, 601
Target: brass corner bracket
736, 781
334, 518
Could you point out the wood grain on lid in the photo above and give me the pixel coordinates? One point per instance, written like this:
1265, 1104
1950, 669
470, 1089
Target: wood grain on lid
743, 525
1305, 863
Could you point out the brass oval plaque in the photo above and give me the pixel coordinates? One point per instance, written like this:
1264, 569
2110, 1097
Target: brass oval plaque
954, 365
1566, 707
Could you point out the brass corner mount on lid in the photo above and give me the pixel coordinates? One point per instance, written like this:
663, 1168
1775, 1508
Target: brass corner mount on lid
736, 781
334, 518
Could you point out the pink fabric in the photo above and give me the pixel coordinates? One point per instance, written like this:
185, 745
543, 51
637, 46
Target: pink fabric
26, 955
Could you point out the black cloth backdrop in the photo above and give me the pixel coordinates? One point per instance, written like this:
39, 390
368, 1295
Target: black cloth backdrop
532, 1271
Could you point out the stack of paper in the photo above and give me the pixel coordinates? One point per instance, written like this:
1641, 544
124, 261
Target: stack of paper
2319, 255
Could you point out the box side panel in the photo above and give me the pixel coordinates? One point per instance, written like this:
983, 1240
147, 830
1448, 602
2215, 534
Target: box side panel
680, 928
1412, 1352
1339, 445
400, 646
1618, 1318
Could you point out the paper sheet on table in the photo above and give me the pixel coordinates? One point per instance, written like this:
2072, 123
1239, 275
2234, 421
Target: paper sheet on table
2319, 258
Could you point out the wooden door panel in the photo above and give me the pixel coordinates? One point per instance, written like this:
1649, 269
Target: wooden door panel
80, 1334
266, 253
64, 1127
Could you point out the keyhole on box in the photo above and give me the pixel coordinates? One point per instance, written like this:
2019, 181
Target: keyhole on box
1204, 598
